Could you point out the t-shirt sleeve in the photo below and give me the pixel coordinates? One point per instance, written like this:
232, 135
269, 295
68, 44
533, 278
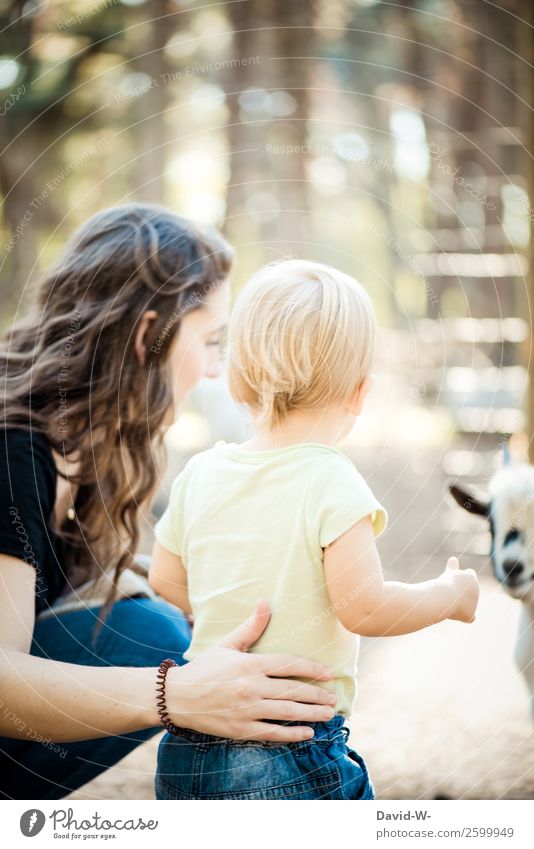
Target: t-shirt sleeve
27, 494
169, 529
340, 497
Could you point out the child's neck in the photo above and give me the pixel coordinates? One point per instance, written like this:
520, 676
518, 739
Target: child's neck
303, 427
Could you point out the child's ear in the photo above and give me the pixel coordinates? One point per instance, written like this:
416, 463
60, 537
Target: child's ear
356, 403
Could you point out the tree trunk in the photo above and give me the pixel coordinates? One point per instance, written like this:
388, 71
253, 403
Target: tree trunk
267, 198
150, 133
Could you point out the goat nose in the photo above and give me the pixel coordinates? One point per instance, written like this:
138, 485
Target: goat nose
512, 568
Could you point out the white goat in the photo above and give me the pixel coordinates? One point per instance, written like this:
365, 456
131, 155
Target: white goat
510, 513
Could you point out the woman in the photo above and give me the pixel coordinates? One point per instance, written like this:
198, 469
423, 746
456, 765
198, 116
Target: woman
124, 325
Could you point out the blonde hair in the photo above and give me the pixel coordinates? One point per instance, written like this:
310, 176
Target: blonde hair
301, 336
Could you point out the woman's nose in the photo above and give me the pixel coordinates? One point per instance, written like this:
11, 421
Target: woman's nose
214, 370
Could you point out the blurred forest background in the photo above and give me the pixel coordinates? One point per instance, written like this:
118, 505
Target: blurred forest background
391, 139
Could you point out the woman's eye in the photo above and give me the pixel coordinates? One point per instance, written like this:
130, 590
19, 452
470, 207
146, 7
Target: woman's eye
216, 342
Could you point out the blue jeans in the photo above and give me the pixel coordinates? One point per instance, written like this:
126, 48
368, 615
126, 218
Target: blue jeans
137, 632
199, 766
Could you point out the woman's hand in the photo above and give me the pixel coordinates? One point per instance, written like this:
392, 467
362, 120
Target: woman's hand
228, 693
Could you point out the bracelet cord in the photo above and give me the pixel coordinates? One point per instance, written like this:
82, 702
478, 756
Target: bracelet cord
166, 721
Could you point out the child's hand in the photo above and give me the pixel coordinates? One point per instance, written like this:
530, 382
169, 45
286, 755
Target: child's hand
464, 588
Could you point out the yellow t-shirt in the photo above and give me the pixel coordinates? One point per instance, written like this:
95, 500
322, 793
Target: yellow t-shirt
254, 523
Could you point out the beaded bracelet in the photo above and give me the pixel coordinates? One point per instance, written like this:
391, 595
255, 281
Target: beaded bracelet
163, 668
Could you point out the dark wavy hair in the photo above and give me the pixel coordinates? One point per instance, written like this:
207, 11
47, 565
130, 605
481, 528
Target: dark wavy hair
69, 368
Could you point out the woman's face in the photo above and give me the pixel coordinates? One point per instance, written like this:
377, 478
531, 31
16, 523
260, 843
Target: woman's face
196, 352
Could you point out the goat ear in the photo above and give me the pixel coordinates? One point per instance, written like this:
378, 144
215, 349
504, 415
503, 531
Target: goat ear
468, 502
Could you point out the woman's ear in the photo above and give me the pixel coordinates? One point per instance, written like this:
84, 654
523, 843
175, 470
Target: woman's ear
140, 346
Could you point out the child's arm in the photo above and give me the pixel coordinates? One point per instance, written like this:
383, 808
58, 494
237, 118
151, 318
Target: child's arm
366, 604
167, 576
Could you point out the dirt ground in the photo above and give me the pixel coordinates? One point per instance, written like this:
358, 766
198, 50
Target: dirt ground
442, 712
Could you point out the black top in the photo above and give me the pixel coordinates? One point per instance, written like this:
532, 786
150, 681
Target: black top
28, 479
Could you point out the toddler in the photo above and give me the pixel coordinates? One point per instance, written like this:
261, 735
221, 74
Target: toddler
287, 517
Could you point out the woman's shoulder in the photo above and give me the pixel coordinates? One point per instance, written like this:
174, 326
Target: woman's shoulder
19, 434
19, 438
24, 450
27, 500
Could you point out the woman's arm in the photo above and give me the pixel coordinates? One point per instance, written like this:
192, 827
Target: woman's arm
366, 604
64, 701
225, 692
60, 701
